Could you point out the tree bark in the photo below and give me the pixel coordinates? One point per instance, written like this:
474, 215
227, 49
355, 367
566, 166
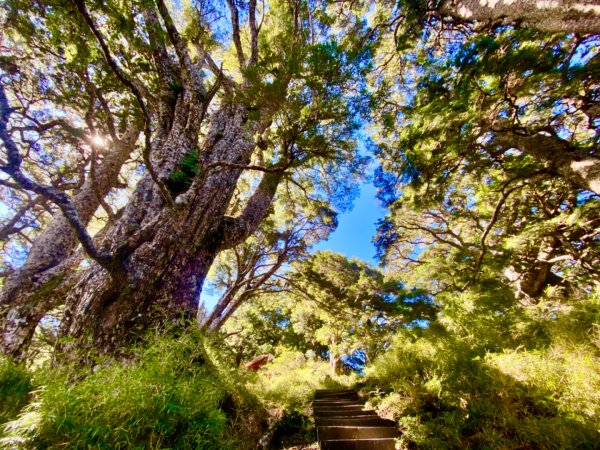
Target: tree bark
29, 292
531, 280
166, 273
334, 357
575, 165
564, 16
162, 244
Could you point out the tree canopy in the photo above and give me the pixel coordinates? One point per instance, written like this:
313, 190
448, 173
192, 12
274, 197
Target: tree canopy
154, 152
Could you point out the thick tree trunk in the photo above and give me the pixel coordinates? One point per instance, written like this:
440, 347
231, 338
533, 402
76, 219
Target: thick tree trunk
166, 273
567, 16
30, 292
157, 252
575, 165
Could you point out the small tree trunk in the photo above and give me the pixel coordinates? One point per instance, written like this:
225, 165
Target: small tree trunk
334, 358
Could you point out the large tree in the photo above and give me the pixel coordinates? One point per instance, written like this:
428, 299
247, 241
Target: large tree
488, 143
341, 310
217, 90
344, 309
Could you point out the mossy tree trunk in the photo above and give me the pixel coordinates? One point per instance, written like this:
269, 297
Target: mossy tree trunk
33, 290
285, 106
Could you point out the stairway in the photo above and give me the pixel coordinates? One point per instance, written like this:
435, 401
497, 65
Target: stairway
343, 423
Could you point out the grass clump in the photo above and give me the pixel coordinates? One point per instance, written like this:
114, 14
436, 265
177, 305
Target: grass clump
172, 396
15, 385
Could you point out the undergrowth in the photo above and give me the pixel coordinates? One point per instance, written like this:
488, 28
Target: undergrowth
291, 379
450, 387
15, 385
171, 395
287, 386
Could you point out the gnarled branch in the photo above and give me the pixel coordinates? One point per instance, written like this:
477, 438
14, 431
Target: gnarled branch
13, 168
182, 53
135, 90
239, 228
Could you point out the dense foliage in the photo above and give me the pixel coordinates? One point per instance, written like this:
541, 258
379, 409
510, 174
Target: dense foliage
479, 139
155, 152
468, 382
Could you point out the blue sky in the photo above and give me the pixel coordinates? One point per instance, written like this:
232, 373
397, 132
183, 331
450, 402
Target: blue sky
356, 228
352, 237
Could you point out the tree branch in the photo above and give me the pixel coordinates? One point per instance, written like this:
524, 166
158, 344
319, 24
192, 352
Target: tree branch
137, 94
253, 33
561, 16
13, 168
492, 222
10, 227
555, 154
160, 56
235, 25
274, 169
182, 53
238, 229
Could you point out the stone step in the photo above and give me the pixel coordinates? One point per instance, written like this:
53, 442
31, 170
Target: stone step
318, 391
360, 444
334, 392
353, 398
363, 421
343, 423
337, 395
353, 432
338, 413
329, 405
344, 407
318, 411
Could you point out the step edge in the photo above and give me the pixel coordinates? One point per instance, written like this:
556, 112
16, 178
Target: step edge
358, 440
346, 426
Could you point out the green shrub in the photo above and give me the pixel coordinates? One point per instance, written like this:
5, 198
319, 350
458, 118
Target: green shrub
172, 396
447, 393
568, 374
15, 384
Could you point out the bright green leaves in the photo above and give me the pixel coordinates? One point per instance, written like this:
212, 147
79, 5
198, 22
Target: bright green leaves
456, 187
351, 305
333, 306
